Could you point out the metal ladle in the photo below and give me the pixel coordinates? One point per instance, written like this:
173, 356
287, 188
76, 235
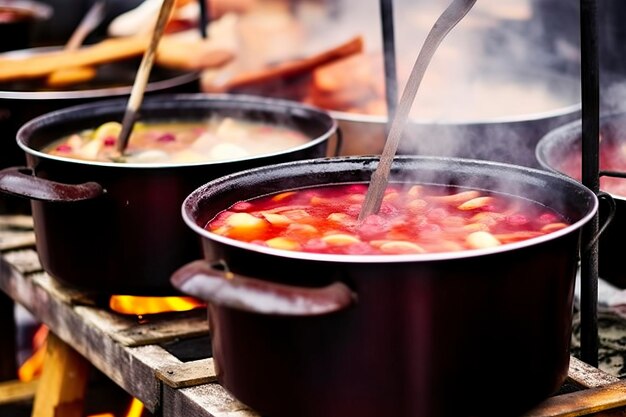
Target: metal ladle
141, 79
380, 178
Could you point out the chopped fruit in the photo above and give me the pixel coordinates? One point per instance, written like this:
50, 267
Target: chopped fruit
417, 206
276, 219
296, 229
455, 199
340, 239
480, 240
244, 225
415, 191
243, 220
553, 227
296, 214
283, 243
517, 236
476, 227
476, 203
341, 218
106, 130
401, 247
282, 196
517, 220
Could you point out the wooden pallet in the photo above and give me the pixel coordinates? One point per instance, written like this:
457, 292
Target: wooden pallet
136, 354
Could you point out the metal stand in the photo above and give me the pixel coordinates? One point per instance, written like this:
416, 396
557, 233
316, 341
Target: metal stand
590, 177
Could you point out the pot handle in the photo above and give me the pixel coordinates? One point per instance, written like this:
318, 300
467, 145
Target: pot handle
20, 181
609, 217
223, 288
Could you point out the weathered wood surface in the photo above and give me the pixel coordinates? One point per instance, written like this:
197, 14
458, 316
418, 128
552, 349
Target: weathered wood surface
188, 374
15, 390
208, 400
89, 330
63, 382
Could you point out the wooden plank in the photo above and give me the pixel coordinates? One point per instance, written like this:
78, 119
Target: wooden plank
17, 221
587, 376
129, 331
188, 374
25, 260
208, 400
163, 331
61, 292
582, 403
63, 382
16, 239
14, 391
133, 369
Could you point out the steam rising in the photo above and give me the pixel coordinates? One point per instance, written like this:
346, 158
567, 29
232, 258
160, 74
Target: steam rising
501, 66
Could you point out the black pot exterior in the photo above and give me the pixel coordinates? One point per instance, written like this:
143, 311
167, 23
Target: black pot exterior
509, 141
567, 140
130, 239
429, 335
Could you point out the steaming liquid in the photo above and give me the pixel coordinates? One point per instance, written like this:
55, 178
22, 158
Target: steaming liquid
412, 219
180, 142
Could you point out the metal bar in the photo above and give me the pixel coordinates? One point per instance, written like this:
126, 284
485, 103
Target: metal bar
204, 17
590, 176
389, 56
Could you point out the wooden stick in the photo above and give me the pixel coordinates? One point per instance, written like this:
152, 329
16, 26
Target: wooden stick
15, 391
42, 64
288, 69
63, 381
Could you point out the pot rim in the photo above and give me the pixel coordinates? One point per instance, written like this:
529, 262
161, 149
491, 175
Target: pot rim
566, 131
528, 117
120, 104
378, 259
183, 77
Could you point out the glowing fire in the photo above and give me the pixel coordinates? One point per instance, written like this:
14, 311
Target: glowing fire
32, 367
128, 304
134, 410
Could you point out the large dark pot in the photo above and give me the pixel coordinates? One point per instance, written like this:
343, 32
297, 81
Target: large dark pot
116, 228
316, 335
566, 142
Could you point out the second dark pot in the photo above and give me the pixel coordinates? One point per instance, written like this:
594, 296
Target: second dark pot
116, 228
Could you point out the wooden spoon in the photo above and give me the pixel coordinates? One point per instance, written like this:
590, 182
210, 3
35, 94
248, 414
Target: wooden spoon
141, 80
380, 178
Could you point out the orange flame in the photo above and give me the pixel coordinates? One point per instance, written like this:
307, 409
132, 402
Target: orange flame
32, 367
128, 304
135, 409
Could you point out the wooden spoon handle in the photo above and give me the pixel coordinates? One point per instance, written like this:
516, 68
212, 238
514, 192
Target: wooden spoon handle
444, 24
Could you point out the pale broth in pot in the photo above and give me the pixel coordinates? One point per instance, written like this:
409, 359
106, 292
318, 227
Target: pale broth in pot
179, 142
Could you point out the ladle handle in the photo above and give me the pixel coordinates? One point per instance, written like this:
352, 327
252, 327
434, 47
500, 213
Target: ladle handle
380, 178
143, 74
